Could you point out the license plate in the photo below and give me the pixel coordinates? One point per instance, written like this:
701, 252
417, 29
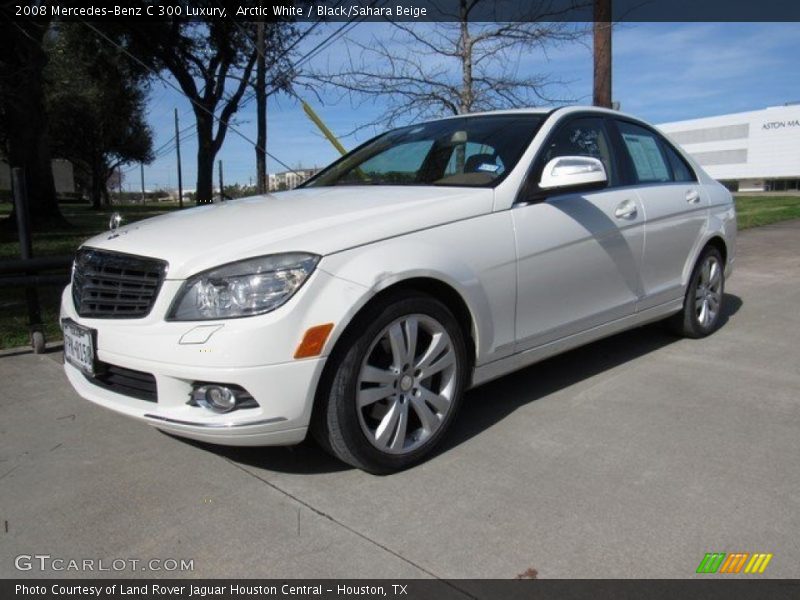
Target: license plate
79, 346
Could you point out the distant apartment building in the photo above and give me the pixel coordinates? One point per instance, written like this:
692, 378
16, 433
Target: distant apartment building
756, 151
62, 176
287, 180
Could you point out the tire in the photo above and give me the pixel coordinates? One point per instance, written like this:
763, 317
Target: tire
385, 407
702, 305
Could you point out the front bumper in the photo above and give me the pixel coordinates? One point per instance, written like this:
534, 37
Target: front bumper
255, 353
275, 387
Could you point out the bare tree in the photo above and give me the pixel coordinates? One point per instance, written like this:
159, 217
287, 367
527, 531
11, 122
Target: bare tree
428, 70
212, 61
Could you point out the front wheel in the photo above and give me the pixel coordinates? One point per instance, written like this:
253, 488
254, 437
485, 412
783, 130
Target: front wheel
702, 306
396, 389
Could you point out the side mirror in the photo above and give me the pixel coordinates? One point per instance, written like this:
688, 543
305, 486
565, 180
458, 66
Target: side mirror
573, 172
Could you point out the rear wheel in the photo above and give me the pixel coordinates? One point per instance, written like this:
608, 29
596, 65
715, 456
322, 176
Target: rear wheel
702, 305
396, 389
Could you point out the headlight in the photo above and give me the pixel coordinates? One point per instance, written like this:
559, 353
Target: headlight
242, 289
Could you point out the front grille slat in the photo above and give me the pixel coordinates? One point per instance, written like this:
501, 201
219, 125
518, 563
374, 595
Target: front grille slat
128, 278
112, 285
127, 382
118, 301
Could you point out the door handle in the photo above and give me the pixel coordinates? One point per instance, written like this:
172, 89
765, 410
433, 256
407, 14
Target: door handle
692, 196
626, 209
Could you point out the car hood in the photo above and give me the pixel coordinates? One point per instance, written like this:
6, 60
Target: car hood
319, 220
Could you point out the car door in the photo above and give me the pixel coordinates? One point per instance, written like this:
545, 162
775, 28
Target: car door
675, 207
579, 254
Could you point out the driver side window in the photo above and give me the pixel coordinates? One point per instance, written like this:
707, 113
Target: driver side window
397, 165
584, 136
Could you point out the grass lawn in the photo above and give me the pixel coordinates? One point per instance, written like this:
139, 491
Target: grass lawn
753, 211
85, 223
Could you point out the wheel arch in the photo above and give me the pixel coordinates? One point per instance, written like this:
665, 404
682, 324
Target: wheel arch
430, 286
717, 242
714, 239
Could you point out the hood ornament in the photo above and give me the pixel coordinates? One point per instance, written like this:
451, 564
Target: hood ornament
113, 224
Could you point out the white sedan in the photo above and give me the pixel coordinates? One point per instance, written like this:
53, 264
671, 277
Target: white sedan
431, 259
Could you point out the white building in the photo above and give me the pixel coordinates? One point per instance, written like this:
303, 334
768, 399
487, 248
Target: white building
287, 180
749, 151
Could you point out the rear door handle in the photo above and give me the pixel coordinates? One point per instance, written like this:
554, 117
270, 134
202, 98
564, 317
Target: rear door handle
692, 196
626, 209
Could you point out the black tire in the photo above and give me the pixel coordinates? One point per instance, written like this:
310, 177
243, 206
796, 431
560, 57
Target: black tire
687, 322
337, 424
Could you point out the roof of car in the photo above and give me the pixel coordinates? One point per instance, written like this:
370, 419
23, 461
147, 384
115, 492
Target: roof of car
539, 110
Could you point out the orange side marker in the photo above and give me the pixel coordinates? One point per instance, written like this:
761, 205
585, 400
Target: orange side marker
313, 341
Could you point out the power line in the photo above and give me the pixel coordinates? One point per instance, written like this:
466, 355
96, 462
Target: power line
169, 146
315, 50
179, 90
290, 48
171, 141
166, 150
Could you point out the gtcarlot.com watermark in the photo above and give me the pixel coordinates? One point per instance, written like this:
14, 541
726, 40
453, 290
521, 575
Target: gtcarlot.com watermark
47, 562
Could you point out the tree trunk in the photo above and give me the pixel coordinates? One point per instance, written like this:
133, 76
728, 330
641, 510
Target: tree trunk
205, 158
97, 185
22, 97
261, 114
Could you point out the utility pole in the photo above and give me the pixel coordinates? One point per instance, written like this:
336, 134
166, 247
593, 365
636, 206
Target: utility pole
602, 53
141, 175
221, 193
178, 148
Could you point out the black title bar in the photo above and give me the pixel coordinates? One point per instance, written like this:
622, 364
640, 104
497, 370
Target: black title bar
403, 589
407, 10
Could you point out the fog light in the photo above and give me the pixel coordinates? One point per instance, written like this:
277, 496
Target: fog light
215, 397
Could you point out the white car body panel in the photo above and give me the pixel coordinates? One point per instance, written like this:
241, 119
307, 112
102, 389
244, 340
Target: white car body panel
318, 221
537, 279
565, 246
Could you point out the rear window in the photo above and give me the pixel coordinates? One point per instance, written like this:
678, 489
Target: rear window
644, 148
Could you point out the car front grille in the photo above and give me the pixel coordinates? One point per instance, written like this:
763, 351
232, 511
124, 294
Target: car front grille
112, 285
127, 382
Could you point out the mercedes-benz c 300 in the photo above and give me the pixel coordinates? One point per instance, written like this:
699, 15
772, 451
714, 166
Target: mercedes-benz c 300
361, 306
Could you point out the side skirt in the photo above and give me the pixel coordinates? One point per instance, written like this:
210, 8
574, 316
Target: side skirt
498, 368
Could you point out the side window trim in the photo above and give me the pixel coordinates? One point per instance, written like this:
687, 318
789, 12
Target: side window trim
671, 147
624, 162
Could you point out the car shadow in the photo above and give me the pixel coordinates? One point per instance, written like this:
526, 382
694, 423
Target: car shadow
488, 404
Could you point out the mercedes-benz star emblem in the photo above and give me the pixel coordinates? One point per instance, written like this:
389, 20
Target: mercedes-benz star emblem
113, 224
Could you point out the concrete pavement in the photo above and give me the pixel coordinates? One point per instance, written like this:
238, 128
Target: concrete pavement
632, 457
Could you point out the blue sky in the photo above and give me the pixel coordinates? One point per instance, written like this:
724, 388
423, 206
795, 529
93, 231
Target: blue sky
662, 72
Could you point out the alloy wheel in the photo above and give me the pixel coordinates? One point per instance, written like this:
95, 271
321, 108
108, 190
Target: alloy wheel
406, 384
708, 294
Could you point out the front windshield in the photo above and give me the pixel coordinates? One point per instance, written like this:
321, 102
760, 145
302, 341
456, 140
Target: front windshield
464, 151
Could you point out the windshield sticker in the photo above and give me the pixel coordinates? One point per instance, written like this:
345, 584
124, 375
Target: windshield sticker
488, 168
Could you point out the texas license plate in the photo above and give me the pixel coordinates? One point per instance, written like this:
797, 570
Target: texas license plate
78, 346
